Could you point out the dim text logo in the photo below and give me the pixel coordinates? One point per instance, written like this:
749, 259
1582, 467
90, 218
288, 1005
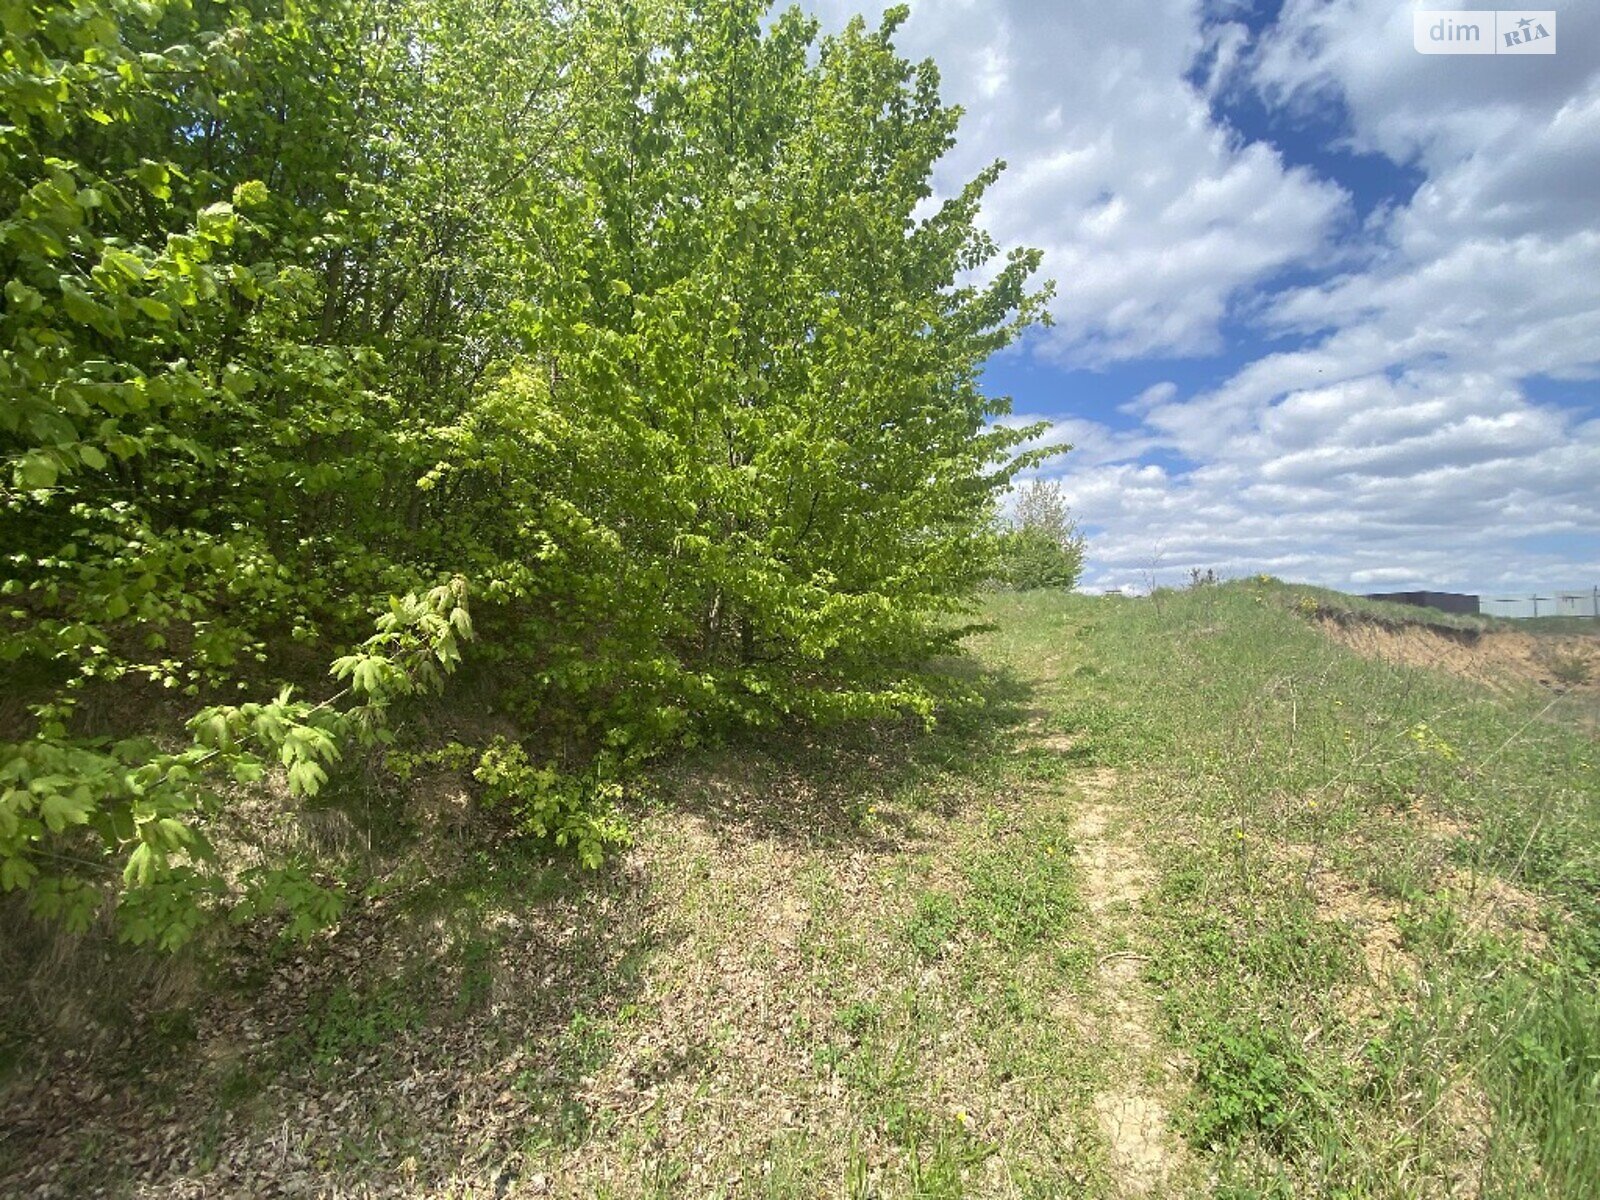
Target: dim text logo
1484, 31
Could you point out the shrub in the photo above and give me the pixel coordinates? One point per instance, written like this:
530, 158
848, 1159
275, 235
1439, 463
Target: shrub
309, 307
1042, 547
576, 811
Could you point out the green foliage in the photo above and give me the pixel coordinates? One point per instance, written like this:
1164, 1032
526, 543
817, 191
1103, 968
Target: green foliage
1042, 548
344, 1022
571, 811
1253, 1082
1032, 559
931, 925
131, 809
1022, 900
628, 313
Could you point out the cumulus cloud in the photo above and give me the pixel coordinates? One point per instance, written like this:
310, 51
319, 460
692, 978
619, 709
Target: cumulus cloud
1152, 217
1408, 409
1386, 431
1398, 444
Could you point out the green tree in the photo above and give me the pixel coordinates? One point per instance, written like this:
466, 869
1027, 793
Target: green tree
1042, 547
771, 337
630, 318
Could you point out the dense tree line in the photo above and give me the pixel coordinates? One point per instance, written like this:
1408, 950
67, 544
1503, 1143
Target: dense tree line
631, 327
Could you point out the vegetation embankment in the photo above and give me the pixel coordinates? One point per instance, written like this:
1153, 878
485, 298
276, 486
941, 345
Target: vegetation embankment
1199, 903
1375, 929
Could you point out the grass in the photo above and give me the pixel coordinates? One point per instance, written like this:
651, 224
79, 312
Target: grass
1586, 626
1340, 606
1284, 774
1200, 903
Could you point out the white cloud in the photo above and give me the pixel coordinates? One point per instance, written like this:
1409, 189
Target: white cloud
1397, 441
1153, 218
1154, 396
1092, 443
1399, 445
1442, 506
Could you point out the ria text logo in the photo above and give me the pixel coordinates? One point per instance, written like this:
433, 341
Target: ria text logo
1484, 31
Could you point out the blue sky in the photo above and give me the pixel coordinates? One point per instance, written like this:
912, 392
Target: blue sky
1327, 308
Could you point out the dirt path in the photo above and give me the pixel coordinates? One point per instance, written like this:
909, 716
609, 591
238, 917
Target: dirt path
1131, 1109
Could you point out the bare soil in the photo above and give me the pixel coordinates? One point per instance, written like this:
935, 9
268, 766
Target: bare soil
1500, 659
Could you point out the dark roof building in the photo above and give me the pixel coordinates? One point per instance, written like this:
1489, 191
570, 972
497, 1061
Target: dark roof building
1450, 602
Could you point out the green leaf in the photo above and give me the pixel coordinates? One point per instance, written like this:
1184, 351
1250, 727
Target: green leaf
174, 833
58, 810
16, 873
155, 177
141, 865
128, 265
37, 471
22, 297
156, 310
78, 304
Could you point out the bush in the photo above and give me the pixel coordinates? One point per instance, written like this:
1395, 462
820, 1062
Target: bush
1042, 547
571, 811
625, 315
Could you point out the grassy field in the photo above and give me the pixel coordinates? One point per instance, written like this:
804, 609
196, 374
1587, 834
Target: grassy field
1212, 898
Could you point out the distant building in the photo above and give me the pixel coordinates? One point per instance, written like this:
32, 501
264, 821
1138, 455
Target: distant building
1450, 602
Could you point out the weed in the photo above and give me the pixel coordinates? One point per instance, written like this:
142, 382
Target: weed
1569, 670
1017, 901
1253, 1082
931, 925
477, 975
347, 1022
173, 1028
857, 1018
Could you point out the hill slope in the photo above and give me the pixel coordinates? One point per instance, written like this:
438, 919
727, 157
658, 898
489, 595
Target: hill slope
1200, 903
